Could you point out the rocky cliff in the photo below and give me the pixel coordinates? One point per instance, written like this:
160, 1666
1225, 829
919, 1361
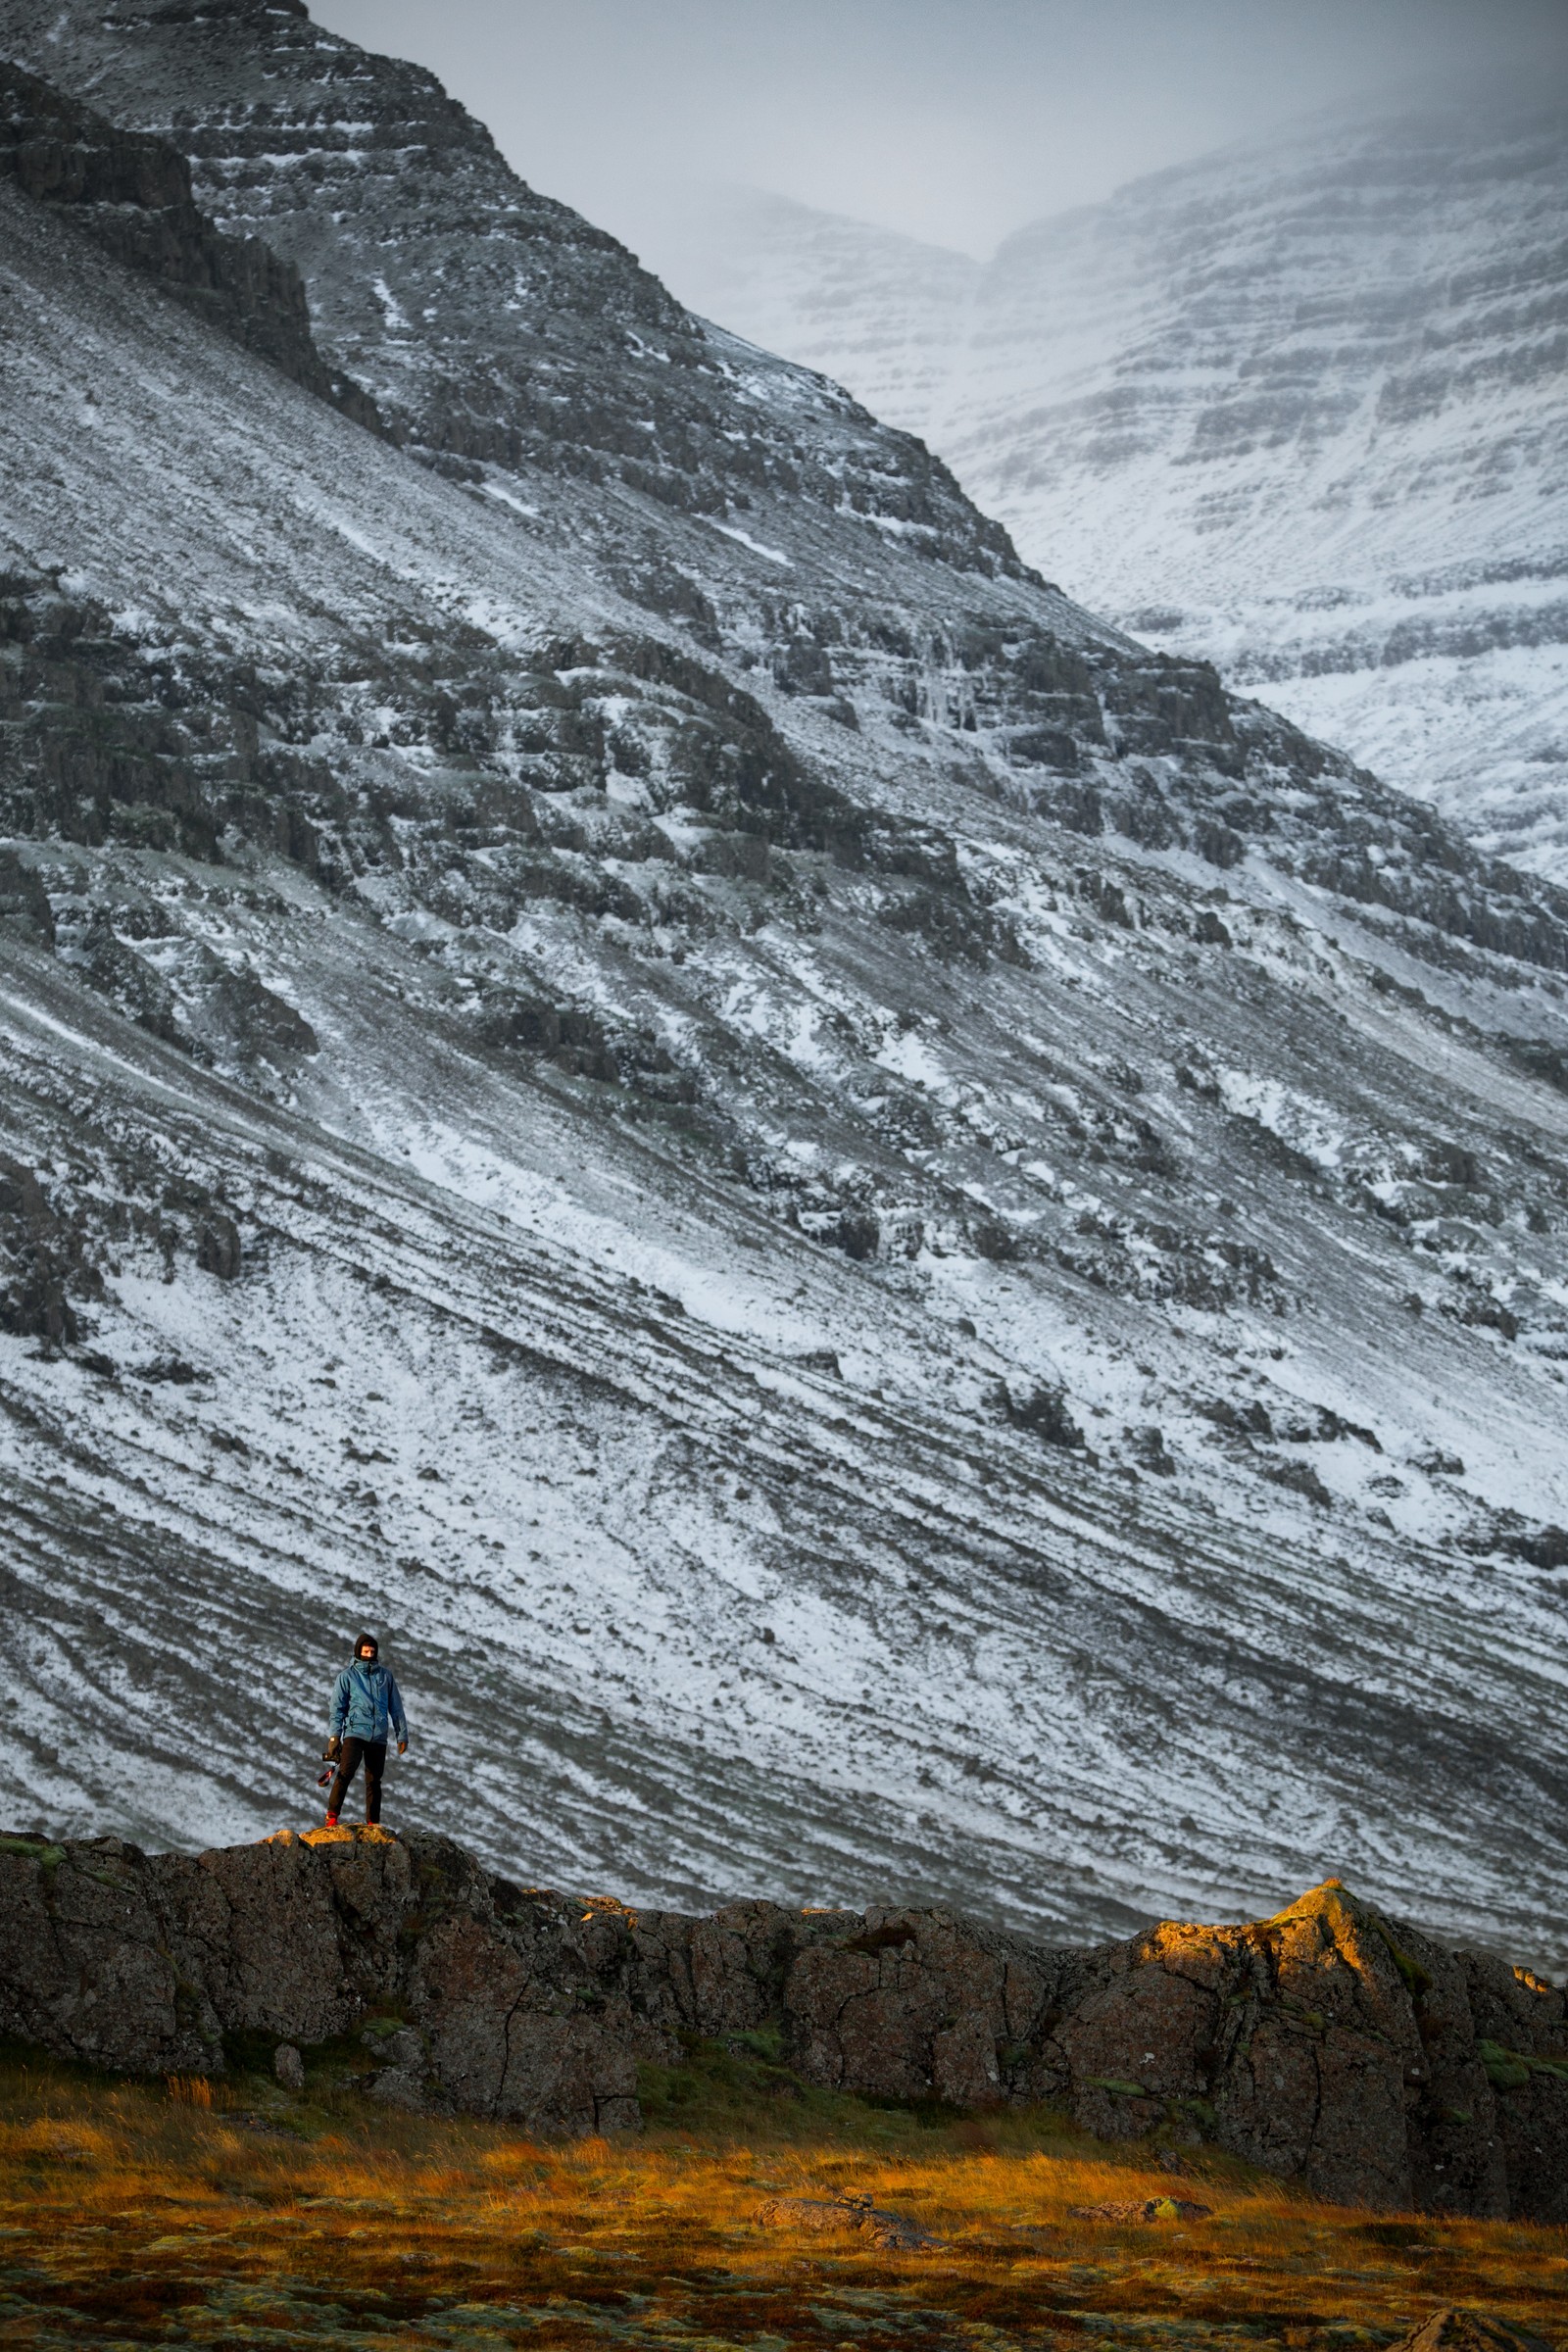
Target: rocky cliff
1327, 2044
893, 1243
132, 192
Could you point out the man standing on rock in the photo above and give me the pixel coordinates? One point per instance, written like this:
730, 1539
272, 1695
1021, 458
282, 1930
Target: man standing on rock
365, 1702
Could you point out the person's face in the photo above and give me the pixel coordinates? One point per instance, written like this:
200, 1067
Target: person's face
366, 1653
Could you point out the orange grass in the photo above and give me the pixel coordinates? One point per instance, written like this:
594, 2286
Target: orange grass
132, 2216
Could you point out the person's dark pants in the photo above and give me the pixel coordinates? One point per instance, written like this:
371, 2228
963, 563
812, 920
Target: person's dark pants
373, 1754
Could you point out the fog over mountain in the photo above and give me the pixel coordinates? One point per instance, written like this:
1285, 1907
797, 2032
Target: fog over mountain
948, 121
1297, 409
896, 1244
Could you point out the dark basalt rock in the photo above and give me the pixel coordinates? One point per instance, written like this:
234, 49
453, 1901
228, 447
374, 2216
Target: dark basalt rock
1326, 2045
132, 191
45, 1270
1043, 1411
217, 1248
25, 908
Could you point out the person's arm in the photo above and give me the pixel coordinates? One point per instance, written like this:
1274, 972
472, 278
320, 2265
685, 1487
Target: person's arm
394, 1714
340, 1705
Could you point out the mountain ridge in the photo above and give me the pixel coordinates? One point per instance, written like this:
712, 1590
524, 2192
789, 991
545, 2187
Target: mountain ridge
897, 1241
135, 191
407, 294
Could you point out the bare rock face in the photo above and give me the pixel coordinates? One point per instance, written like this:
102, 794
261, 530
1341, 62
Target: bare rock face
1326, 2045
132, 191
1521, 2042
43, 1265
145, 1962
556, 348
1299, 2042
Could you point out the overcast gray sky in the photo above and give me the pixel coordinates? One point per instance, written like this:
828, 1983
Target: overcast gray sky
955, 121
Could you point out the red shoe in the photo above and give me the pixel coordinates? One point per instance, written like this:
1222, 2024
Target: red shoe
332, 1821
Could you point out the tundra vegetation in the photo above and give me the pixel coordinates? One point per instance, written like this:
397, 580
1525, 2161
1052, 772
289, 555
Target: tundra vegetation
235, 2212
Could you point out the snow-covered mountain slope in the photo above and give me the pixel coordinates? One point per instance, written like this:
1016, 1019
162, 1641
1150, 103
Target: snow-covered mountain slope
493, 324
1298, 409
893, 1245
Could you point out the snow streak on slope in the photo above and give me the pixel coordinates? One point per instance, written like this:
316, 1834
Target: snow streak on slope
1298, 410
898, 1248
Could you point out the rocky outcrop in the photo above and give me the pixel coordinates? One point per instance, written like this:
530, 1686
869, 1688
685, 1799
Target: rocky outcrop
1453, 2329
43, 1263
853, 2212
1327, 2044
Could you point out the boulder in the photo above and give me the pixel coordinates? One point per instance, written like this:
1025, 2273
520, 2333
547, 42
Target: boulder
1144, 2209
894, 2231
1454, 2331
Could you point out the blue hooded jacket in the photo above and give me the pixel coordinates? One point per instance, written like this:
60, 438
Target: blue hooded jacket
365, 1700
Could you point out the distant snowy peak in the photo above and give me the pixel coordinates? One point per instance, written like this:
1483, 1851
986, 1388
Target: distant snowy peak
875, 310
1298, 408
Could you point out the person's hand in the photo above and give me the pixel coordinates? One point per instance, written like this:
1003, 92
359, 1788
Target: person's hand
402, 1748
334, 1748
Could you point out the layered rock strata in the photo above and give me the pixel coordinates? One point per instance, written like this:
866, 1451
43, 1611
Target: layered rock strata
1294, 407
1348, 2052
495, 326
132, 192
